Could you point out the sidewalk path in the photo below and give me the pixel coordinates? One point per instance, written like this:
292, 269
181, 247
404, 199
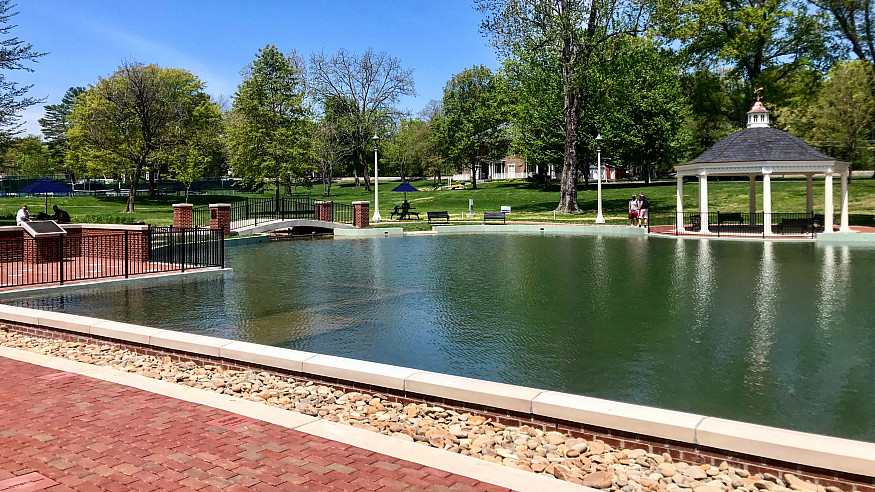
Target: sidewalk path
64, 431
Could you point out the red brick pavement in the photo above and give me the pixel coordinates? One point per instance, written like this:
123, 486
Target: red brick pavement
87, 434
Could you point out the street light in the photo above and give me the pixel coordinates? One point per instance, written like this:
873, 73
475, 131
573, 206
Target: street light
376, 217
599, 218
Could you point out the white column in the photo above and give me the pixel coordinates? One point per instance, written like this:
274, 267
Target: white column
752, 195
809, 193
827, 204
599, 218
376, 218
843, 227
767, 203
703, 201
679, 207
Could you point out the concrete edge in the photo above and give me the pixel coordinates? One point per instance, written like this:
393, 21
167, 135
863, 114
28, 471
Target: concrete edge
235, 240
373, 232
157, 277
467, 466
792, 446
584, 230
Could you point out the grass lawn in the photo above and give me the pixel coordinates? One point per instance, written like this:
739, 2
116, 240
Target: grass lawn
528, 201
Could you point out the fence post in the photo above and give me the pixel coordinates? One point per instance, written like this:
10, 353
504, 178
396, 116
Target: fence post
222, 247
183, 249
61, 261
127, 255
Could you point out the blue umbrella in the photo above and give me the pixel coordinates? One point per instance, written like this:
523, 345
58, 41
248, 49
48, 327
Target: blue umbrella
46, 186
405, 187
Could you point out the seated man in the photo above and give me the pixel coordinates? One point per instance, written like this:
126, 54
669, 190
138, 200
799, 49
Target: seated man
61, 216
405, 207
22, 216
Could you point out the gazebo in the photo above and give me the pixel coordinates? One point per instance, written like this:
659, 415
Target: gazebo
760, 150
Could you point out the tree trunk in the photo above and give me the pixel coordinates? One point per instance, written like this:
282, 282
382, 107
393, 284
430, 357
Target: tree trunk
365, 173
132, 197
647, 173
568, 183
151, 185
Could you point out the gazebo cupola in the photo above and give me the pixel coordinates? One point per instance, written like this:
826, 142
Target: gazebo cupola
758, 116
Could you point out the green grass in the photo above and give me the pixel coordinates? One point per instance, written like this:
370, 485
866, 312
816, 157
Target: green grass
528, 201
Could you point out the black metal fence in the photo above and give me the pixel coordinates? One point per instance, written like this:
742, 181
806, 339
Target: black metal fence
68, 258
736, 224
247, 211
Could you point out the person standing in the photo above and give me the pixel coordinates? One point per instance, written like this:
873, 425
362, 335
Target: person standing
633, 210
643, 208
22, 216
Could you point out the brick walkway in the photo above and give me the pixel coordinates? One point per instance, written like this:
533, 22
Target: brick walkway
82, 433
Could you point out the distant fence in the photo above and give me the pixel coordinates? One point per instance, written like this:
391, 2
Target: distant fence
737, 224
68, 258
249, 211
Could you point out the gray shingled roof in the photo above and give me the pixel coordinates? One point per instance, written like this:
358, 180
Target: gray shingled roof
760, 144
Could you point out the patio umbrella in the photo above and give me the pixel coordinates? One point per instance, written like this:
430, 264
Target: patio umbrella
405, 187
46, 186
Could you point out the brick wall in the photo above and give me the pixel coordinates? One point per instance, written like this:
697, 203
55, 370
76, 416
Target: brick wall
679, 451
323, 211
220, 216
182, 215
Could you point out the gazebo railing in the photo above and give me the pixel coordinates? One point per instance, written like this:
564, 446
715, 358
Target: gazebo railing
737, 224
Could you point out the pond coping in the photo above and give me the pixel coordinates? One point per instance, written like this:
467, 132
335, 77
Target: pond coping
661, 426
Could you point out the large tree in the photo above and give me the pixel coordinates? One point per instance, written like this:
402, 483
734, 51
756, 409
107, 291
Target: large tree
333, 140
55, 124
14, 53
575, 32
476, 112
133, 116
373, 82
269, 126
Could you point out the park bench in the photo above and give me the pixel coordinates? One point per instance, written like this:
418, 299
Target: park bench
403, 214
695, 223
438, 215
487, 216
729, 218
795, 225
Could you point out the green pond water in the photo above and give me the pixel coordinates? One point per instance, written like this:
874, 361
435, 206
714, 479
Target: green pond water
778, 334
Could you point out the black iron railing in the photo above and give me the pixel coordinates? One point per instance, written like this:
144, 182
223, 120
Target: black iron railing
68, 258
737, 224
247, 212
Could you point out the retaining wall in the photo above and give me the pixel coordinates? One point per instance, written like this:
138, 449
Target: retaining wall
687, 437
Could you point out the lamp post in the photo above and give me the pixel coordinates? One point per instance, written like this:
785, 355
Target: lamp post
599, 218
376, 217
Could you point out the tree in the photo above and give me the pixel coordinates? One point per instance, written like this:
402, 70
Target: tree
640, 109
13, 54
839, 119
333, 138
27, 155
56, 122
373, 83
268, 128
574, 31
747, 44
536, 98
476, 118
432, 159
133, 116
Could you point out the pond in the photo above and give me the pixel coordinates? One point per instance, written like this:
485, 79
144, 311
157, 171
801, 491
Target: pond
773, 333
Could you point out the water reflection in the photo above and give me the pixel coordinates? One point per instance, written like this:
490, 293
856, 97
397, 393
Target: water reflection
766, 297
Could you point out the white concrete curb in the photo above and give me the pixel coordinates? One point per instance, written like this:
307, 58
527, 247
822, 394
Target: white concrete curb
819, 451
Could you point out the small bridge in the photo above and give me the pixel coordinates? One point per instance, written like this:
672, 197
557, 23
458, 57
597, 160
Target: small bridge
259, 215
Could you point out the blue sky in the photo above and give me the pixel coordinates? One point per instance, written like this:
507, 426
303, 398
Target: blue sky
215, 39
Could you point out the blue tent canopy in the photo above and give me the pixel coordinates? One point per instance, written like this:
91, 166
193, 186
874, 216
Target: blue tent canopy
46, 186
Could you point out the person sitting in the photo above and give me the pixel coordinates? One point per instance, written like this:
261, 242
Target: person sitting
405, 208
61, 216
22, 216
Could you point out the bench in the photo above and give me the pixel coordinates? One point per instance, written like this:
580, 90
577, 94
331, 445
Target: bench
438, 215
795, 225
695, 223
495, 216
729, 218
402, 214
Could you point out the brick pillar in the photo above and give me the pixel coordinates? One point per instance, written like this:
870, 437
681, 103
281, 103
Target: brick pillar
182, 215
220, 216
361, 214
323, 210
